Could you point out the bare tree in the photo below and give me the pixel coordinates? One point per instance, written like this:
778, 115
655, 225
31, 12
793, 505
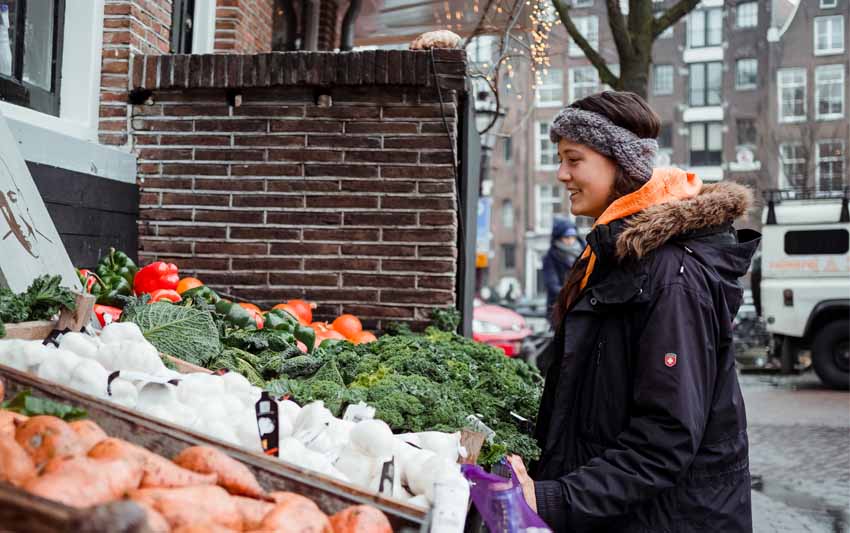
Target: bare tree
634, 35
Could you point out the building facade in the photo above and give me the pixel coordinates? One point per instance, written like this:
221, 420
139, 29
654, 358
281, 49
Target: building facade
750, 91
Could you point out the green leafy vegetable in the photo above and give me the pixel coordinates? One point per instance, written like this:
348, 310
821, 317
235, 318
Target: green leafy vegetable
445, 319
26, 404
46, 298
182, 332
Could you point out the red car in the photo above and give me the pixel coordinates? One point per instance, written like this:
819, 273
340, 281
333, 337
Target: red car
499, 327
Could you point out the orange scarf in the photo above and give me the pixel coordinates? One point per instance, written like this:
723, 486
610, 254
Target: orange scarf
665, 185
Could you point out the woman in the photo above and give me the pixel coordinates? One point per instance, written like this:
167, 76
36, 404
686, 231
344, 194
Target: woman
564, 248
642, 424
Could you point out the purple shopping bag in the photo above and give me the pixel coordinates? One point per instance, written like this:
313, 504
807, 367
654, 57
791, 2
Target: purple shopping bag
500, 501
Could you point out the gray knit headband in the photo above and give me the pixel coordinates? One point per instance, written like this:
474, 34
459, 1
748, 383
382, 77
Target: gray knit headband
634, 155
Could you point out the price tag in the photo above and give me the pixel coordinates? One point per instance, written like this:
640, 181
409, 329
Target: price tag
267, 424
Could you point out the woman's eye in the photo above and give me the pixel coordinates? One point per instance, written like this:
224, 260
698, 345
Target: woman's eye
573, 161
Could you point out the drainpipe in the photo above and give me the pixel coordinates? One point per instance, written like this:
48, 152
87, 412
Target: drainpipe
311, 24
347, 40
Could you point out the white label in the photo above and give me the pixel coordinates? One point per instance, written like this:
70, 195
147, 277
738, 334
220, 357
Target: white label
450, 505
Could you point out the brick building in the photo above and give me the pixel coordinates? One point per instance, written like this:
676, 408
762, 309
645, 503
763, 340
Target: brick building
724, 80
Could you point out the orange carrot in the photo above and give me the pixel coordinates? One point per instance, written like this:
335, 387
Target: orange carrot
7, 423
83, 481
205, 527
88, 432
252, 511
361, 519
45, 437
156, 522
185, 506
232, 475
16, 466
294, 513
158, 471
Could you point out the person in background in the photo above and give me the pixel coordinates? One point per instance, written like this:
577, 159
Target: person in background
564, 249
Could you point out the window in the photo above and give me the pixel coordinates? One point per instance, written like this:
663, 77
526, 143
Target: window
31, 60
746, 74
792, 165
589, 28
817, 242
705, 28
829, 91
482, 49
706, 143
829, 165
509, 256
507, 214
550, 92
825, 4
549, 203
706, 83
582, 3
584, 81
668, 31
182, 14
547, 151
662, 79
792, 94
747, 15
746, 131
508, 147
829, 35
665, 146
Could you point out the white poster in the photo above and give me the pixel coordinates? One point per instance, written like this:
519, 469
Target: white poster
29, 243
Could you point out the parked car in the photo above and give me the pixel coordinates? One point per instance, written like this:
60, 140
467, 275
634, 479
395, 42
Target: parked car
500, 327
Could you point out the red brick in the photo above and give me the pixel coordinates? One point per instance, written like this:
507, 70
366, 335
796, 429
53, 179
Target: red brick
436, 282
236, 278
418, 296
385, 250
380, 219
167, 183
416, 202
229, 215
410, 265
195, 263
301, 126
229, 184
438, 128
229, 155
192, 169
300, 279
231, 248
195, 110
269, 140
140, 124
344, 295
165, 247
419, 142
305, 155
436, 158
304, 248
146, 140
302, 185
195, 140
422, 111
379, 186
378, 280
381, 127
165, 214
268, 200
264, 233
419, 235
266, 169
343, 141
235, 125
113, 111
342, 171
382, 156
300, 219
113, 125
437, 251
339, 111
382, 311
149, 198
431, 187
437, 218
347, 235
266, 264
342, 202
112, 139
159, 154
417, 172
273, 110
193, 199
193, 231
337, 264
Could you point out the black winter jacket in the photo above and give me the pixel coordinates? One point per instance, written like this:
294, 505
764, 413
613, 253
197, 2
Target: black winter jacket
642, 423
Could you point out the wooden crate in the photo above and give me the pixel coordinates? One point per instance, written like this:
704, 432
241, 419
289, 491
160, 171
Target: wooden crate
167, 440
37, 330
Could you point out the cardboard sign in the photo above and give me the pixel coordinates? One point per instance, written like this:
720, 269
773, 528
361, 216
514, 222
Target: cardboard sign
29, 243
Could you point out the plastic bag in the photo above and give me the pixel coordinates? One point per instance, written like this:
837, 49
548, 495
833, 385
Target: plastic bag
500, 501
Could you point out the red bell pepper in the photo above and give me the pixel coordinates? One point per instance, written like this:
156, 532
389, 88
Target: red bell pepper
88, 278
165, 294
106, 314
155, 276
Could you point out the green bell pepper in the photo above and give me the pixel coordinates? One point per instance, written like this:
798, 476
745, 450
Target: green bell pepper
119, 263
307, 335
235, 314
279, 319
112, 285
202, 293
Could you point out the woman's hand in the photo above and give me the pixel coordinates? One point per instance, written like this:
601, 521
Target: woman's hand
525, 481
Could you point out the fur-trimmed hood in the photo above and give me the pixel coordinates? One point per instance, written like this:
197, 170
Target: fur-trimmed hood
716, 204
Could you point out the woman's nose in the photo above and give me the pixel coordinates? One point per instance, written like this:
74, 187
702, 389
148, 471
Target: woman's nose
563, 173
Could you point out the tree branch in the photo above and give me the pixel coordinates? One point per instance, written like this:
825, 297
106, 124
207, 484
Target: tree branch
672, 16
605, 74
622, 37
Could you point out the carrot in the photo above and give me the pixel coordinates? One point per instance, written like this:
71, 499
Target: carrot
361, 519
252, 511
203, 528
158, 471
45, 437
185, 506
294, 513
88, 432
232, 475
7, 423
156, 522
83, 481
16, 466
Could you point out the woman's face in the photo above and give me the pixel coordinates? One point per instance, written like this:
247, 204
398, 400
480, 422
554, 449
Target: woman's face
588, 176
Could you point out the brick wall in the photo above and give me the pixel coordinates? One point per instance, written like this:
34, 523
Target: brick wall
244, 26
352, 205
130, 27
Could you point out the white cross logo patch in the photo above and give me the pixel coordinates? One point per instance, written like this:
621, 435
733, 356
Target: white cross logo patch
670, 359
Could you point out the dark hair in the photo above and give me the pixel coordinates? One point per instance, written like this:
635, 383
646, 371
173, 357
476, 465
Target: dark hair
629, 111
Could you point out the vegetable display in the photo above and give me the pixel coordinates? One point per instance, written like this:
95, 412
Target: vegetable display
202, 488
42, 300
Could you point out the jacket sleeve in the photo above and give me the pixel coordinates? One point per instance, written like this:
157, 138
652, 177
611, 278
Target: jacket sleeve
550, 276
670, 403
